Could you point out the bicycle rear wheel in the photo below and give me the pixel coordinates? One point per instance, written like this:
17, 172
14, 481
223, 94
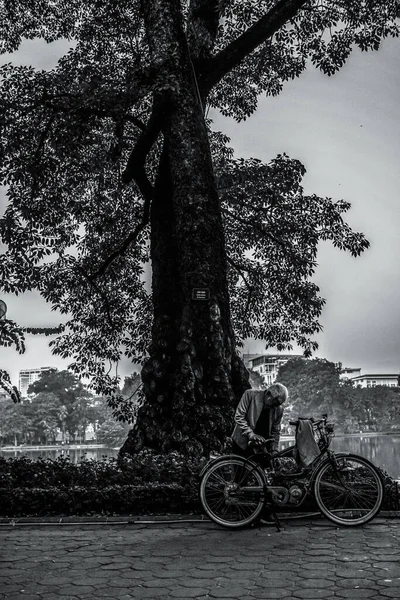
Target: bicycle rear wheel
350, 493
232, 492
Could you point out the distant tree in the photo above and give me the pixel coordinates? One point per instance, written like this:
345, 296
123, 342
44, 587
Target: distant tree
72, 403
43, 413
376, 408
112, 433
256, 380
313, 386
14, 424
132, 385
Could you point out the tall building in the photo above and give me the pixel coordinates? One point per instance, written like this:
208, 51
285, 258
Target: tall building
28, 376
267, 365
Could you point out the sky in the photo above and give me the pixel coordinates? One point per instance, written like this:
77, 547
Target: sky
346, 131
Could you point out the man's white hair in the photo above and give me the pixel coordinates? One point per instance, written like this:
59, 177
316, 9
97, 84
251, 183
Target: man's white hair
277, 390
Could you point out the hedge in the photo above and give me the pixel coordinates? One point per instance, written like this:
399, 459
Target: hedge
155, 498
148, 484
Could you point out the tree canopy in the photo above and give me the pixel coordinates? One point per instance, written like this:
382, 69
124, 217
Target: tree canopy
111, 166
313, 386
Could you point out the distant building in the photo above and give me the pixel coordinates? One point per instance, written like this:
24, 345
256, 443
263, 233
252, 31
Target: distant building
267, 365
349, 372
28, 376
368, 381
247, 358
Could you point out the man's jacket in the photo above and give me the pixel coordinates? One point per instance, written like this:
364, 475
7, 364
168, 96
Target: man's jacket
246, 416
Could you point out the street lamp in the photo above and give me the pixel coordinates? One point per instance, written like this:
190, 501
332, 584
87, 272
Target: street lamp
3, 309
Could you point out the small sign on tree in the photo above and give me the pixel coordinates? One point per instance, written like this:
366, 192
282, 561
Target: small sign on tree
200, 294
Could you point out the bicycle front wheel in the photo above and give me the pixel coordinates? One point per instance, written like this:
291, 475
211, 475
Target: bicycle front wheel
232, 492
348, 491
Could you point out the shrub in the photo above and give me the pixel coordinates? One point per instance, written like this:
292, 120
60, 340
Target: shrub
110, 501
148, 483
144, 468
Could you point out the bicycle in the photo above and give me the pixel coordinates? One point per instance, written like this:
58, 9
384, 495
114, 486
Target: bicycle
347, 488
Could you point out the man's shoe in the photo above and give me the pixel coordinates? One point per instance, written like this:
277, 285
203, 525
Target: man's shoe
264, 521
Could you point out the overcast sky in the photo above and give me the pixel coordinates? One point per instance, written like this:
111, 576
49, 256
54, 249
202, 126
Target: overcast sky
346, 131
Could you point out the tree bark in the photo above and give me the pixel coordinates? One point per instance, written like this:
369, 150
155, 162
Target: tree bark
193, 378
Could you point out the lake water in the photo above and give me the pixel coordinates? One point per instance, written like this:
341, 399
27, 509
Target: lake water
382, 450
75, 454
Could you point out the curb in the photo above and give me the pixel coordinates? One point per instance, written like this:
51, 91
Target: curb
153, 519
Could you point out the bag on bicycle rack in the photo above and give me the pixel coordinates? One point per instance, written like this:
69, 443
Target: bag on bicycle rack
307, 447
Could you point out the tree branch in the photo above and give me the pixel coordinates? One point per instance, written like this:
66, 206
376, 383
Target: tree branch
256, 226
100, 292
235, 266
125, 244
134, 169
96, 112
227, 59
250, 288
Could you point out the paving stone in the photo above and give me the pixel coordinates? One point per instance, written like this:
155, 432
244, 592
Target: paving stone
316, 583
379, 544
281, 566
319, 559
353, 557
280, 584
266, 594
308, 594
389, 582
77, 590
230, 593
353, 564
201, 574
321, 552
279, 575
355, 582
315, 574
387, 572
384, 556
188, 592
147, 593
353, 573
355, 593
312, 566
153, 583
393, 592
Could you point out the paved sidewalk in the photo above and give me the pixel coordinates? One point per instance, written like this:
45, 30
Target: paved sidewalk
307, 559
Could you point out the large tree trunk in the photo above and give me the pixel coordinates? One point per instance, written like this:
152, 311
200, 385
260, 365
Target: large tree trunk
193, 378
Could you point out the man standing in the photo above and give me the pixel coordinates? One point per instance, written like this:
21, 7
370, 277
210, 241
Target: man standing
258, 416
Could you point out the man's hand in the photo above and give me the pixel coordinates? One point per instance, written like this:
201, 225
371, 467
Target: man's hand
255, 439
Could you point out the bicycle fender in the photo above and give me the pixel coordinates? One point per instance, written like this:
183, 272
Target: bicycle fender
213, 461
341, 455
